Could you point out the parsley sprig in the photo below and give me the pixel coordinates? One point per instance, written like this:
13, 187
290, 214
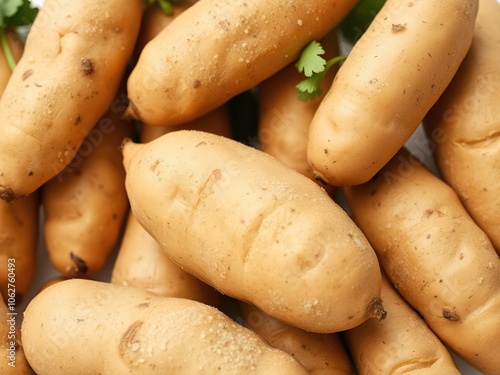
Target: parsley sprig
14, 13
315, 68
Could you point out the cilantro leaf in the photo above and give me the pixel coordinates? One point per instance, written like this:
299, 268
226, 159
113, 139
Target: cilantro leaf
7, 9
310, 88
25, 15
310, 60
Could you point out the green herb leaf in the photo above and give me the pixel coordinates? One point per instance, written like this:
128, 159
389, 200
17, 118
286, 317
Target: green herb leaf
310, 88
310, 60
25, 15
166, 6
7, 9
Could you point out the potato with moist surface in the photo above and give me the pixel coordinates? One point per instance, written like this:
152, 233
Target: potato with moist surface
132, 331
437, 257
401, 344
215, 50
464, 125
75, 56
391, 78
253, 228
320, 354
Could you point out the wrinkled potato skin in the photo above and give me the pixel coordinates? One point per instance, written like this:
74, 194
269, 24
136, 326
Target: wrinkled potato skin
437, 257
86, 204
464, 125
142, 333
231, 215
215, 50
320, 354
400, 344
74, 58
384, 89
284, 119
21, 364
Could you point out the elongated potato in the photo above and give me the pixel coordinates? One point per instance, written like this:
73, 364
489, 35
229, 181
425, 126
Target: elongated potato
215, 50
284, 119
253, 228
401, 344
464, 126
318, 353
74, 59
132, 331
13, 360
437, 257
392, 77
86, 204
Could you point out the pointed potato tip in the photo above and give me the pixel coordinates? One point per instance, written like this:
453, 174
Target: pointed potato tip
129, 149
376, 309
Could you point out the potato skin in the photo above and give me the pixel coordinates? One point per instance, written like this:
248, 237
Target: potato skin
437, 257
232, 215
392, 77
86, 204
400, 344
464, 125
132, 331
182, 74
320, 354
74, 58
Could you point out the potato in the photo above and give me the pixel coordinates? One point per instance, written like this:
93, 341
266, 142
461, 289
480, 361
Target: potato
463, 126
13, 360
437, 257
256, 230
284, 119
402, 343
320, 354
86, 204
132, 331
75, 56
391, 78
215, 50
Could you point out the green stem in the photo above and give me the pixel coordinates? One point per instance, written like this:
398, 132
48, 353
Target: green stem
6, 49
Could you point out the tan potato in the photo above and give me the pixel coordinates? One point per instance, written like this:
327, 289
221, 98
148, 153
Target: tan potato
284, 119
437, 257
132, 331
215, 50
463, 127
13, 360
256, 230
401, 344
320, 354
86, 204
75, 56
391, 78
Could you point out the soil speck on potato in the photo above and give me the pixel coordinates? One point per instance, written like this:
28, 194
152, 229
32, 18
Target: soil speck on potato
87, 66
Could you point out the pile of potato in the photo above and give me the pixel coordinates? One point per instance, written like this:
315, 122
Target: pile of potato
234, 255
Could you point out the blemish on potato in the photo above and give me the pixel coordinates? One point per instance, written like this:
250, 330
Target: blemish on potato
6, 194
87, 66
79, 267
128, 341
450, 315
201, 144
155, 165
196, 83
396, 28
143, 305
26, 74
78, 119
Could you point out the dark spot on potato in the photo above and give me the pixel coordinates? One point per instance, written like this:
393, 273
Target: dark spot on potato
78, 119
87, 66
79, 267
127, 341
428, 212
450, 314
26, 74
30, 173
325, 151
373, 192
397, 28
155, 165
196, 84
142, 305
201, 144
6, 194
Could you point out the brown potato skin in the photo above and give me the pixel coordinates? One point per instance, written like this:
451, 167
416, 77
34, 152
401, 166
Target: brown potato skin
284, 119
464, 125
7, 341
74, 59
182, 73
436, 256
134, 331
320, 354
400, 344
232, 215
86, 204
391, 78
